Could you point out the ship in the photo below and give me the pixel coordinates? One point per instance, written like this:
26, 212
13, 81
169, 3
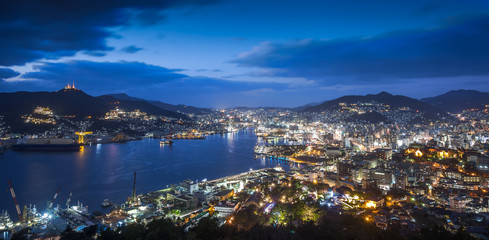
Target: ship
106, 203
166, 142
187, 137
46, 144
5, 221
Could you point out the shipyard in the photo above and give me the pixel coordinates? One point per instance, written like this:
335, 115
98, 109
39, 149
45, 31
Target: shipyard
188, 201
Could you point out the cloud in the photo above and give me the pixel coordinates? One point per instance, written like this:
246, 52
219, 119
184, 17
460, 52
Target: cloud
131, 49
455, 49
103, 75
429, 7
259, 91
208, 70
95, 53
33, 30
7, 73
123, 76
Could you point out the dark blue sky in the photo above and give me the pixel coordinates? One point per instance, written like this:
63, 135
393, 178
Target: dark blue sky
257, 52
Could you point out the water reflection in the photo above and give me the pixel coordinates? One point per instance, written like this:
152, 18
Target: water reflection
105, 171
98, 147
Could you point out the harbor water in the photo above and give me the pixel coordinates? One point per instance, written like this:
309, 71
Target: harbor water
105, 171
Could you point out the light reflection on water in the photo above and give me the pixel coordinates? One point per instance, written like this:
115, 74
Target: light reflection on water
105, 171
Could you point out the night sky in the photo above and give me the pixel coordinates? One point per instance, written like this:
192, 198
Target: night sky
211, 53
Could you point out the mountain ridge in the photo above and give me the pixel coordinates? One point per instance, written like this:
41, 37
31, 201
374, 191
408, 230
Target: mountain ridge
456, 101
167, 106
69, 102
390, 101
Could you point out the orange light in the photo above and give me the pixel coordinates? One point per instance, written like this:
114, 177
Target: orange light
371, 204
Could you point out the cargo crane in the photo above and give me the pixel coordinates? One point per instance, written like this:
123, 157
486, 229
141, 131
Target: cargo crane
54, 198
134, 189
81, 136
68, 201
15, 201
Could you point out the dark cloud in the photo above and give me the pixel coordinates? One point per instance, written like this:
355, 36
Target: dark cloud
7, 73
205, 92
95, 53
141, 80
131, 49
111, 76
429, 7
208, 70
149, 16
457, 49
103, 76
32, 30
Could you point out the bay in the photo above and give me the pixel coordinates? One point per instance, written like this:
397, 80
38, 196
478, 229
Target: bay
106, 170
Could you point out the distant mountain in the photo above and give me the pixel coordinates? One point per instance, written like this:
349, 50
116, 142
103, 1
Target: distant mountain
394, 102
256, 108
123, 96
70, 102
303, 107
458, 100
176, 108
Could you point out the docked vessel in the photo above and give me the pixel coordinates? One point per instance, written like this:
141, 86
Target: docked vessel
189, 137
5, 221
106, 203
46, 144
166, 142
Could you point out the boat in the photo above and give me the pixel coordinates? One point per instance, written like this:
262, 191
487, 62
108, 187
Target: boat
5, 221
80, 209
189, 137
106, 203
46, 144
166, 142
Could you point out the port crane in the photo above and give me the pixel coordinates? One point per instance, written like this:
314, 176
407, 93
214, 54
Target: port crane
15, 201
54, 198
69, 200
81, 136
134, 188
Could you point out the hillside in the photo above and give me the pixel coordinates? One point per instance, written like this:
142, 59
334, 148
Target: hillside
166, 106
70, 102
458, 100
379, 103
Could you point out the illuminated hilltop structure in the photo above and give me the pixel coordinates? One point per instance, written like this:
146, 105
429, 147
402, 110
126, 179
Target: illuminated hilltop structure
69, 88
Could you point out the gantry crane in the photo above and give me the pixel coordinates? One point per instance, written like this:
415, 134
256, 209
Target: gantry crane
15, 201
81, 135
54, 199
68, 201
